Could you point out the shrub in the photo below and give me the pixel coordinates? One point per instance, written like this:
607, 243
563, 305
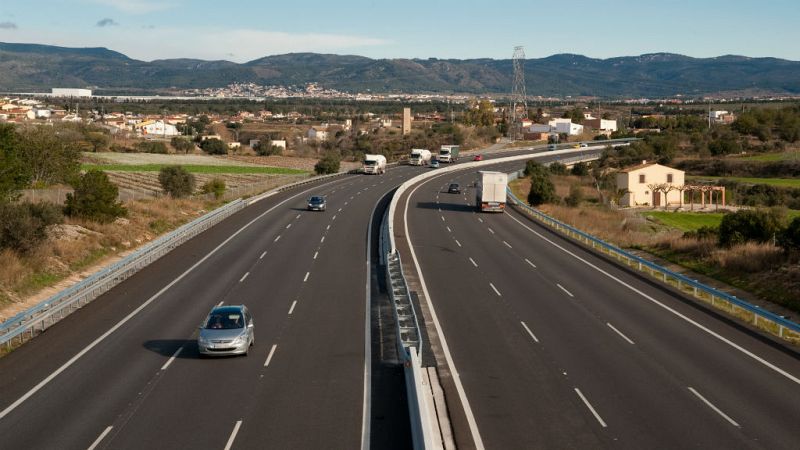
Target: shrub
575, 196
23, 226
176, 181
580, 169
532, 166
151, 147
216, 186
265, 149
214, 147
702, 233
749, 225
790, 237
95, 198
328, 164
557, 168
182, 144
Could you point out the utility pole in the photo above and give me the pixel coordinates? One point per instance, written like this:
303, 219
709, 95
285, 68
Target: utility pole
518, 94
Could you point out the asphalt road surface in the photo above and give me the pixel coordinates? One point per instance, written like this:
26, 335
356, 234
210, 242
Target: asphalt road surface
124, 371
556, 347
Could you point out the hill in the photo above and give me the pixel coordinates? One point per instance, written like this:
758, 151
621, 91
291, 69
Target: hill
32, 67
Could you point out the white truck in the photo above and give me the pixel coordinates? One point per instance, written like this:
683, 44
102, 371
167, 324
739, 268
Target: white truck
419, 157
490, 191
374, 164
448, 153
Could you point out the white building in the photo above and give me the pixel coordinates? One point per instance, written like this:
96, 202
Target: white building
539, 128
565, 126
318, 134
278, 143
650, 185
157, 128
70, 92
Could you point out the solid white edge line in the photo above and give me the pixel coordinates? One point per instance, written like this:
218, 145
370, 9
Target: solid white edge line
462, 395
535, 339
136, 311
306, 277
473, 262
244, 277
366, 406
233, 435
174, 355
565, 290
100, 438
291, 309
495, 290
591, 408
717, 410
667, 308
620, 333
531, 264
269, 356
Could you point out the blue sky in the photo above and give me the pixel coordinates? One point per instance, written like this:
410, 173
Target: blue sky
240, 31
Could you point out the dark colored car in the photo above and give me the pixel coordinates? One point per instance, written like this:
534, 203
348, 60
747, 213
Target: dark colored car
454, 188
478, 158
317, 203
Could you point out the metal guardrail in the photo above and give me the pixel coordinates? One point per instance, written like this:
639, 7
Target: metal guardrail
27, 324
36, 319
760, 318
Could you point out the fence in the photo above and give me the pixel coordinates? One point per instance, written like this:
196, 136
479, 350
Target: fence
761, 319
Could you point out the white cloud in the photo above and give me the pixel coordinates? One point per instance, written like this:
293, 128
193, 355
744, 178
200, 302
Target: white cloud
166, 43
136, 6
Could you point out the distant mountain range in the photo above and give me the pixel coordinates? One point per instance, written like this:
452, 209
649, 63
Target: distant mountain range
37, 68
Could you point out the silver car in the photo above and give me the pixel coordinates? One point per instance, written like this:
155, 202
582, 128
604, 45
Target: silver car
228, 330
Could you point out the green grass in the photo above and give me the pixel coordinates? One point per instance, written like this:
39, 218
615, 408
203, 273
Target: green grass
686, 221
779, 182
192, 168
772, 157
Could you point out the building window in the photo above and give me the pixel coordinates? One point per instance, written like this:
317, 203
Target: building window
641, 179
669, 178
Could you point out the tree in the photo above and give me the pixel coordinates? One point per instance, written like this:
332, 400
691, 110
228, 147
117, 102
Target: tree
542, 189
215, 186
52, 154
214, 147
176, 181
152, 147
557, 168
480, 114
328, 164
14, 173
182, 144
95, 198
98, 140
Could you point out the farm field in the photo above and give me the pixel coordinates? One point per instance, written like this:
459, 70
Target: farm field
193, 168
685, 221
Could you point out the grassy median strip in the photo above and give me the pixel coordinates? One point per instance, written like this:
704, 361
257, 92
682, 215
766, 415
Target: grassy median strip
192, 168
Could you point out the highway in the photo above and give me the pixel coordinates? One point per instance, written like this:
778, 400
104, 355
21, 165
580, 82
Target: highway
555, 347
124, 372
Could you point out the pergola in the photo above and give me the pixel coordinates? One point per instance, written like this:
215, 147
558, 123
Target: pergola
704, 190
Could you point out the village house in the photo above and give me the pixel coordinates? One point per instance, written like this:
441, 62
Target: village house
650, 184
156, 128
318, 133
